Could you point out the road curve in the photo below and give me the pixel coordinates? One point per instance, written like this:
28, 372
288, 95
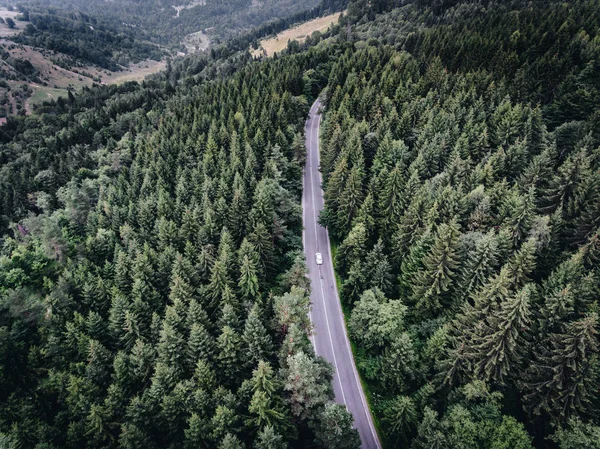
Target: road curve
330, 339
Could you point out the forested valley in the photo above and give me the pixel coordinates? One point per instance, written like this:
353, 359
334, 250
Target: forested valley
153, 288
166, 22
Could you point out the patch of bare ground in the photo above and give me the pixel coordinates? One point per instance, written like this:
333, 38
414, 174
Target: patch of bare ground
299, 33
198, 41
191, 5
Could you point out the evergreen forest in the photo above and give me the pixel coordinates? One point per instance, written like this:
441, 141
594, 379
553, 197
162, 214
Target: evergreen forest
153, 286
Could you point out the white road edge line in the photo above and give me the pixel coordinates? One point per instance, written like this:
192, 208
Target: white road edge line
302, 204
312, 185
362, 395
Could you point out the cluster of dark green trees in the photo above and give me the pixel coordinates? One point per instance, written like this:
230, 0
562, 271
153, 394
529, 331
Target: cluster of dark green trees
152, 287
153, 290
84, 38
461, 164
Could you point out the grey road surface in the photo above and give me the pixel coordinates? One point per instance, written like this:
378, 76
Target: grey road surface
330, 339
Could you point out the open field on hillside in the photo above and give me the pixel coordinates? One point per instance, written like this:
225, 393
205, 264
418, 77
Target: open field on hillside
300, 32
55, 81
22, 92
47, 71
196, 42
5, 31
43, 93
192, 4
135, 72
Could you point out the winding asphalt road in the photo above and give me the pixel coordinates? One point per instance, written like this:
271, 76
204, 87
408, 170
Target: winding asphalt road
330, 339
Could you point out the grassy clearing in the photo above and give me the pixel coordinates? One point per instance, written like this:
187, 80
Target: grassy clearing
365, 385
5, 31
56, 81
196, 42
299, 33
136, 72
191, 5
41, 94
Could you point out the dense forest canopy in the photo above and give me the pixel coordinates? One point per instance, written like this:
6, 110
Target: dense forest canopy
85, 39
160, 22
462, 173
152, 283
158, 298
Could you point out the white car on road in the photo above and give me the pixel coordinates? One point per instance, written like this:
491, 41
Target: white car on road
319, 259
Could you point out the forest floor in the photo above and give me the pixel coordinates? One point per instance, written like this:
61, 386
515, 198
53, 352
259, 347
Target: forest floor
299, 32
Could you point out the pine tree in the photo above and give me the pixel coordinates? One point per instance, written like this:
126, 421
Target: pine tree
351, 198
200, 345
562, 379
519, 210
131, 330
122, 272
430, 434
412, 263
196, 315
219, 282
248, 283
263, 244
268, 438
352, 249
399, 361
196, 431
335, 186
479, 265
96, 327
501, 345
180, 290
171, 347
333, 428
392, 200
566, 183
377, 269
258, 342
141, 359
401, 416
229, 355
521, 264
439, 270
266, 406
229, 317
204, 376
231, 442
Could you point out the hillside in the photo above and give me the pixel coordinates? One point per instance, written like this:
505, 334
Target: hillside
71, 45
47, 53
153, 288
168, 22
